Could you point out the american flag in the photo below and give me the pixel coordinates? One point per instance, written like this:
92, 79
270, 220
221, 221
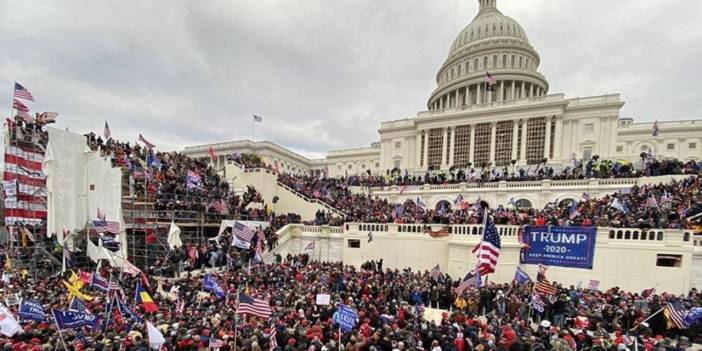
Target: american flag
655, 130
666, 197
651, 202
258, 119
242, 231
370, 236
25, 116
193, 180
586, 197
489, 248
22, 92
490, 79
180, 307
106, 132
220, 206
106, 226
146, 142
47, 117
436, 273
545, 287
676, 316
648, 294
272, 339
256, 307
19, 106
472, 279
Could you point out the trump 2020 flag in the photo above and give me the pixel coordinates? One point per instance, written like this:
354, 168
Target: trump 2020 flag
209, 283
73, 319
347, 318
31, 310
521, 277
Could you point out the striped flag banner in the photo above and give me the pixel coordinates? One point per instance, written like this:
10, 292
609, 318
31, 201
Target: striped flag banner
146, 143
22, 92
488, 250
24, 181
256, 307
675, 316
544, 287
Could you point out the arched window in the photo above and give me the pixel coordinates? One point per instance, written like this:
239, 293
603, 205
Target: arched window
523, 204
504, 60
467, 66
443, 205
494, 60
485, 62
520, 62
512, 63
475, 64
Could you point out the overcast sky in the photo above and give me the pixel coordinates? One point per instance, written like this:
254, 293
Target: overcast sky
322, 73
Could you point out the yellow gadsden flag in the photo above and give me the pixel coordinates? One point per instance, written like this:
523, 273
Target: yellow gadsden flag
73, 285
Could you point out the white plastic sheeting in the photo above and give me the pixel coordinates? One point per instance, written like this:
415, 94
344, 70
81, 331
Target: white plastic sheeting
64, 166
80, 181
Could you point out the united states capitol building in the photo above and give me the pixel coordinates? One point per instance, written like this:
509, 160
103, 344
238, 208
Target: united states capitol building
470, 122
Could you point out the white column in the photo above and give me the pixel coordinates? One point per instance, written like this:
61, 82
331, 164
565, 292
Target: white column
457, 104
444, 147
515, 138
478, 101
452, 146
493, 135
522, 93
471, 152
426, 149
418, 147
511, 95
531, 90
501, 94
441, 102
547, 139
557, 154
522, 156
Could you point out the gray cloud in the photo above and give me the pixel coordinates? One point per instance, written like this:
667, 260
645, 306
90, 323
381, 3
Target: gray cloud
324, 74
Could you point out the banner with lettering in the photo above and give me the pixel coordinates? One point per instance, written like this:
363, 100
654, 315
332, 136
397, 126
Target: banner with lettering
559, 246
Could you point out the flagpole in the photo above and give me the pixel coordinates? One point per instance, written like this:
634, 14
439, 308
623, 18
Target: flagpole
253, 120
236, 319
59, 330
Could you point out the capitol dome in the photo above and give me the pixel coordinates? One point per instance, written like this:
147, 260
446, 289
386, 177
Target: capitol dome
492, 43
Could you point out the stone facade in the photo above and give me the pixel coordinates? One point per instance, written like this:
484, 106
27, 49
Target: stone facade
491, 107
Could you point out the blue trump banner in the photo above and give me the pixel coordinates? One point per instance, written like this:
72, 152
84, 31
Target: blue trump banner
209, 283
559, 246
347, 318
31, 310
73, 319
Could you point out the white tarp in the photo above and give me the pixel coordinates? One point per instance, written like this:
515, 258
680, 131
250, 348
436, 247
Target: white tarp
80, 181
64, 166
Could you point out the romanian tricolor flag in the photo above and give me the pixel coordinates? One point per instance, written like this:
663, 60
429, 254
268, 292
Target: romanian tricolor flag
142, 297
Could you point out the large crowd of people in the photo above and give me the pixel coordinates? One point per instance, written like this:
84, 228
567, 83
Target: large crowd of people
650, 206
176, 182
391, 306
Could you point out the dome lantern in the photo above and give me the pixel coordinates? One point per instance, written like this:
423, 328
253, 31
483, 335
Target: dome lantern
487, 4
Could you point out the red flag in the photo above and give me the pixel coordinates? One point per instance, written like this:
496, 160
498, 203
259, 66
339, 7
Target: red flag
211, 152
